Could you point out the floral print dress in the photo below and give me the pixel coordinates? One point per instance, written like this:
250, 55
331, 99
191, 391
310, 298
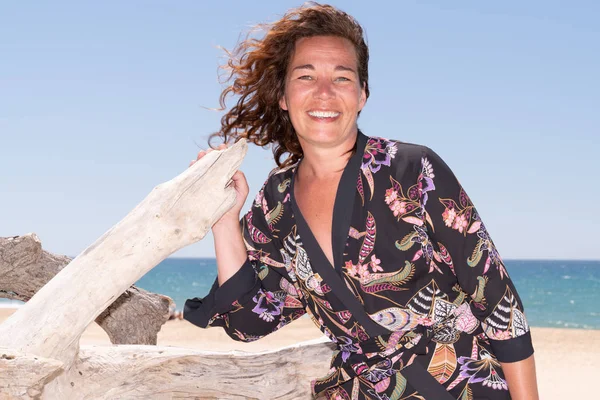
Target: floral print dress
418, 300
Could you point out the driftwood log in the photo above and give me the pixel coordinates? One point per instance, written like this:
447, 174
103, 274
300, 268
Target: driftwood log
134, 318
39, 344
150, 372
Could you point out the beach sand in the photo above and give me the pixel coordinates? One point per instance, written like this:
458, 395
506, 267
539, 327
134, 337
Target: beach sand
567, 360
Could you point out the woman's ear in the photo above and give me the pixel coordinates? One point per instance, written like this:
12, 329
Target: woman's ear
363, 97
283, 103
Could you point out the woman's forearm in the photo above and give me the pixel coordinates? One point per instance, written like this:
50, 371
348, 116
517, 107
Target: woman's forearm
521, 379
230, 250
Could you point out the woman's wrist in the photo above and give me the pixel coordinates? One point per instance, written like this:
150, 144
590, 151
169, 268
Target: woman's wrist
226, 225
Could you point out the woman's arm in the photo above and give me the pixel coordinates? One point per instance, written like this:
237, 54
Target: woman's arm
230, 250
252, 295
466, 247
521, 380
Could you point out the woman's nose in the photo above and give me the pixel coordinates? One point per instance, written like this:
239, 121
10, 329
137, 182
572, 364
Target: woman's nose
324, 89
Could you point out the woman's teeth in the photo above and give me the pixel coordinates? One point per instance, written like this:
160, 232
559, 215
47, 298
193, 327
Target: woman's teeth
323, 114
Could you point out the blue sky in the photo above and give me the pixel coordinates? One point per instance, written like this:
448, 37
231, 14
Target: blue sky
102, 101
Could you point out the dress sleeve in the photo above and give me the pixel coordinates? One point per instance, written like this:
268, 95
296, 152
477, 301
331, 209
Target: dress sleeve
259, 298
463, 243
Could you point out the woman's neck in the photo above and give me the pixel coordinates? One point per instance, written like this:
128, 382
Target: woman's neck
323, 163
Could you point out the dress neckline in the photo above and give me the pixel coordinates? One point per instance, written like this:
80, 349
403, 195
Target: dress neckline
342, 206
342, 214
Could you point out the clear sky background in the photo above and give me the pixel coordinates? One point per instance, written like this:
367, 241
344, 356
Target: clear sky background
102, 101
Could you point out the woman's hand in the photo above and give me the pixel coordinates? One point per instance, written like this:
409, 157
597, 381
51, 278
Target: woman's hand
239, 183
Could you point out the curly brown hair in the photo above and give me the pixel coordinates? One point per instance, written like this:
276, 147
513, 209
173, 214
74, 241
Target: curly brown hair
257, 70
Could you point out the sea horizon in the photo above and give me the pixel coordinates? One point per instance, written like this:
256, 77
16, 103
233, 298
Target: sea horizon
555, 293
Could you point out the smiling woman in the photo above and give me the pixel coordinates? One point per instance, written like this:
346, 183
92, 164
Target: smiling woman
375, 239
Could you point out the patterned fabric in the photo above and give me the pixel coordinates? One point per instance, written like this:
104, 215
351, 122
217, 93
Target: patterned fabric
416, 256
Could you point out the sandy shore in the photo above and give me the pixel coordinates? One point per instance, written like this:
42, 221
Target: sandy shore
568, 360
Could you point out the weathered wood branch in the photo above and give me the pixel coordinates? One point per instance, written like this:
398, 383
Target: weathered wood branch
24, 376
134, 318
175, 214
25, 267
142, 372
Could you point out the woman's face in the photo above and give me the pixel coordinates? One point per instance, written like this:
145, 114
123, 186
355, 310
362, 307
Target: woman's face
323, 94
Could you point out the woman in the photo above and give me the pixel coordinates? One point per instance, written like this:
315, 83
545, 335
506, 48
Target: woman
375, 239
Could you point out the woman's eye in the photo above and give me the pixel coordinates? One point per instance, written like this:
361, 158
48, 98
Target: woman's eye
305, 77
343, 79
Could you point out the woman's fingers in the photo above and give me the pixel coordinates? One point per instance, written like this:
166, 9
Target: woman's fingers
202, 153
240, 183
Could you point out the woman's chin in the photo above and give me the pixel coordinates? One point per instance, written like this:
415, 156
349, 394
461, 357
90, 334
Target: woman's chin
325, 137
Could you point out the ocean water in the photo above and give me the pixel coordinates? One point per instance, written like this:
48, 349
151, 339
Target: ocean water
558, 294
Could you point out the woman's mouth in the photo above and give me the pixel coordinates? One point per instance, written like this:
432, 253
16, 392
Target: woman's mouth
324, 116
